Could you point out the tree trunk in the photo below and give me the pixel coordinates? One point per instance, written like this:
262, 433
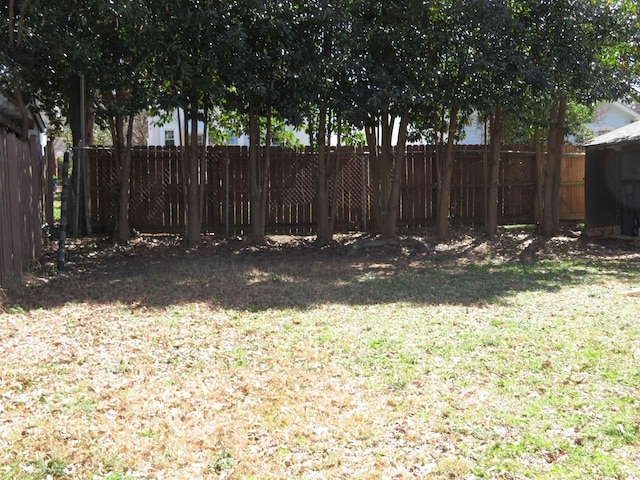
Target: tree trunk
194, 226
444, 186
560, 134
202, 149
389, 226
122, 150
256, 178
497, 119
337, 169
375, 171
538, 206
555, 145
324, 230
387, 172
265, 175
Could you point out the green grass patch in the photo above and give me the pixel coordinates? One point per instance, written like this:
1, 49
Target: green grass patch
208, 365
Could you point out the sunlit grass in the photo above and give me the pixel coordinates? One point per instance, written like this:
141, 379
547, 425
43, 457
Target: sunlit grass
232, 366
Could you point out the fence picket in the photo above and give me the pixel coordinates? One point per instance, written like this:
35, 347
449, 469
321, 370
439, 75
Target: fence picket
21, 206
158, 200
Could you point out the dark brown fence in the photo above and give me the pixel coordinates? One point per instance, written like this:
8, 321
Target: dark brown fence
21, 194
157, 199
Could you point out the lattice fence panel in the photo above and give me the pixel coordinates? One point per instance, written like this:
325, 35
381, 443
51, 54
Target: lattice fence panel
157, 195
354, 191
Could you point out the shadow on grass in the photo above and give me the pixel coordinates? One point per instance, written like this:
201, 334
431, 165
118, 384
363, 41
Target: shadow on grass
304, 278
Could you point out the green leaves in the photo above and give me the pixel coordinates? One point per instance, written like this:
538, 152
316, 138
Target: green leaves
362, 57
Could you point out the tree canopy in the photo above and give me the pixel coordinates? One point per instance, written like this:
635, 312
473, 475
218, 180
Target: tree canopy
388, 68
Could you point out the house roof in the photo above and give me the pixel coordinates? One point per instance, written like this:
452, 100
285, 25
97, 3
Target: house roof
626, 134
626, 109
11, 116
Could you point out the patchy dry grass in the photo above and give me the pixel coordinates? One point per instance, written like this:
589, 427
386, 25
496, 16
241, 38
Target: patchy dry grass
508, 358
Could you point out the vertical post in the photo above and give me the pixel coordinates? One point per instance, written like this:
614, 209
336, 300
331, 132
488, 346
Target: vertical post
50, 186
84, 170
76, 192
365, 203
226, 192
486, 182
63, 214
78, 176
86, 191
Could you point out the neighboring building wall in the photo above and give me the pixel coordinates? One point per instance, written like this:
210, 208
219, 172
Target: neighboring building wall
608, 117
474, 132
169, 133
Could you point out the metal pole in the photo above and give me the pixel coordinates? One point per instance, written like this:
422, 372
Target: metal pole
82, 159
77, 163
63, 214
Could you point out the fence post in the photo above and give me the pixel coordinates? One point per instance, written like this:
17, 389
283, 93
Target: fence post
49, 189
86, 194
226, 191
63, 214
365, 203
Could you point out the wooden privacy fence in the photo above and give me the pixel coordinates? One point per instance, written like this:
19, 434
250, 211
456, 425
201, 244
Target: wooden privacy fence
157, 200
21, 196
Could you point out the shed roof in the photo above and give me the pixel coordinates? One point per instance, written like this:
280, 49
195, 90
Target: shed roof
626, 134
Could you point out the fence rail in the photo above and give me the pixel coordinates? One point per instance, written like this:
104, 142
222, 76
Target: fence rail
21, 202
157, 199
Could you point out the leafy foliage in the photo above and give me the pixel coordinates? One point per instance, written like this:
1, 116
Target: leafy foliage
363, 63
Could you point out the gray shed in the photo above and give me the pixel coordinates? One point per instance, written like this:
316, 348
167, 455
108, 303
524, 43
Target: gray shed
612, 182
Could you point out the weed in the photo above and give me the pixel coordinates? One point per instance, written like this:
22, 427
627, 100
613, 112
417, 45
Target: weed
52, 468
223, 461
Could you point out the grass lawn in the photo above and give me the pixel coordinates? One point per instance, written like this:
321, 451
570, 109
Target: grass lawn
57, 206
502, 359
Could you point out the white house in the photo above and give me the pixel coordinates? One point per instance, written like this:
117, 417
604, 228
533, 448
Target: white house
172, 133
611, 116
608, 116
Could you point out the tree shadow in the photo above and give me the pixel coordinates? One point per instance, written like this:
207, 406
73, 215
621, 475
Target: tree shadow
230, 275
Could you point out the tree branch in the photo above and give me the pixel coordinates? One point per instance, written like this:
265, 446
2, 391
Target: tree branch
23, 14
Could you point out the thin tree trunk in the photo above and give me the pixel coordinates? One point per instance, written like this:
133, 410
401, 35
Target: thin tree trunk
203, 165
265, 175
116, 127
374, 166
324, 232
550, 217
446, 171
560, 134
183, 128
491, 224
336, 181
257, 227
390, 225
193, 188
16, 42
540, 159
386, 169
382, 167
123, 152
